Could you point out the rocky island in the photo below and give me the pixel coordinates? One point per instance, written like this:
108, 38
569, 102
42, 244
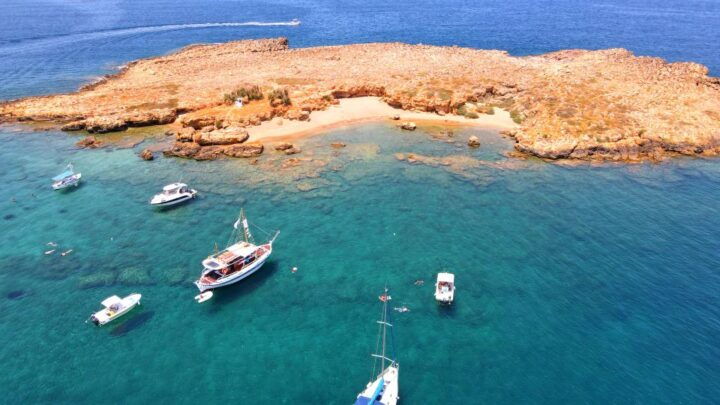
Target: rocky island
573, 104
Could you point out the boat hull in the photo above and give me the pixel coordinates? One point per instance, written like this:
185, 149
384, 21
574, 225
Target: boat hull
385, 389
233, 278
100, 320
65, 183
185, 197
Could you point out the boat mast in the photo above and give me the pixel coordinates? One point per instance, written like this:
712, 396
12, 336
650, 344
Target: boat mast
246, 229
384, 330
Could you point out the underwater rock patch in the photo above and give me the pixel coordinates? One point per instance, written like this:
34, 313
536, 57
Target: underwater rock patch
134, 276
8, 217
173, 276
99, 279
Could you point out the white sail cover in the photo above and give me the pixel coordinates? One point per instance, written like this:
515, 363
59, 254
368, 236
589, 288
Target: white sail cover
247, 229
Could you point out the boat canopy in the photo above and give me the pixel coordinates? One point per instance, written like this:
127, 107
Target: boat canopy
222, 259
63, 175
111, 301
173, 186
446, 277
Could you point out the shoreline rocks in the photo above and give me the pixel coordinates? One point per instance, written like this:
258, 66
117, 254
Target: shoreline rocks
606, 105
89, 142
146, 154
408, 126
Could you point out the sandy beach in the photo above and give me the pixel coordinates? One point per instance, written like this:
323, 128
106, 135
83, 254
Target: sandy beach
353, 111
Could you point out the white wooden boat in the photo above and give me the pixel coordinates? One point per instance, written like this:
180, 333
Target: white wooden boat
385, 388
445, 288
241, 258
115, 307
173, 194
66, 179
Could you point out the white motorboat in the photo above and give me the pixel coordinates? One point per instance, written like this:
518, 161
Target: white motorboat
445, 288
385, 388
115, 307
66, 179
173, 194
240, 259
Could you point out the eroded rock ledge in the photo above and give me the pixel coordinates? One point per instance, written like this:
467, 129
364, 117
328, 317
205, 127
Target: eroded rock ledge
606, 104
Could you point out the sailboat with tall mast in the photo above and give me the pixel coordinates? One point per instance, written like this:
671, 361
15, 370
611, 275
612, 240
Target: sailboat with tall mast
383, 388
241, 258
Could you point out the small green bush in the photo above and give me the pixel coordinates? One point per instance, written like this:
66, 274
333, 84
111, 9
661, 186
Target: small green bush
251, 92
488, 109
279, 94
472, 115
516, 116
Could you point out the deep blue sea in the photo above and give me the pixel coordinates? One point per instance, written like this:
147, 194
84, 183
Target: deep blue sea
576, 284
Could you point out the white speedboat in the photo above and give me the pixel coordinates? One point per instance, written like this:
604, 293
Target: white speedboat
66, 179
385, 388
173, 194
240, 259
115, 307
445, 288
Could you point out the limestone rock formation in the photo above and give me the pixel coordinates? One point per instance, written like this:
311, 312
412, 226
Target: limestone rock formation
245, 150
226, 136
574, 104
292, 151
89, 142
408, 126
283, 146
101, 125
146, 154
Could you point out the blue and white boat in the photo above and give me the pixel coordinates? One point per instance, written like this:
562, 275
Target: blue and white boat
66, 179
240, 259
385, 388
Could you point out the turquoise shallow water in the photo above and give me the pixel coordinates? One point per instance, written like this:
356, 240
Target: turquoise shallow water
575, 284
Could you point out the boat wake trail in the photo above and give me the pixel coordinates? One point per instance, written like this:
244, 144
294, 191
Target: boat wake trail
42, 43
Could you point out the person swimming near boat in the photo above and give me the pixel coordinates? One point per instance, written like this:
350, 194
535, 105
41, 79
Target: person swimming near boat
419, 282
402, 309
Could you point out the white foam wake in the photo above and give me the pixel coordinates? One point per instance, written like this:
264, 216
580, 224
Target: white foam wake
41, 43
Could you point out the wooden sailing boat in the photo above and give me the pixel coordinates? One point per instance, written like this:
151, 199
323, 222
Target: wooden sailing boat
383, 388
241, 258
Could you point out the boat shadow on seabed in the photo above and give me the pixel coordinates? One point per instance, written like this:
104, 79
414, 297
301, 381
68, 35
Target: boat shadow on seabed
230, 293
131, 323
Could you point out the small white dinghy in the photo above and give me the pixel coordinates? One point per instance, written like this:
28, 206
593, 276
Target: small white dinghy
204, 296
115, 307
66, 179
173, 194
445, 288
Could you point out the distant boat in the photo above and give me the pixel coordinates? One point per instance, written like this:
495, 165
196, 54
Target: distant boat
66, 179
384, 389
445, 288
173, 194
115, 307
241, 258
